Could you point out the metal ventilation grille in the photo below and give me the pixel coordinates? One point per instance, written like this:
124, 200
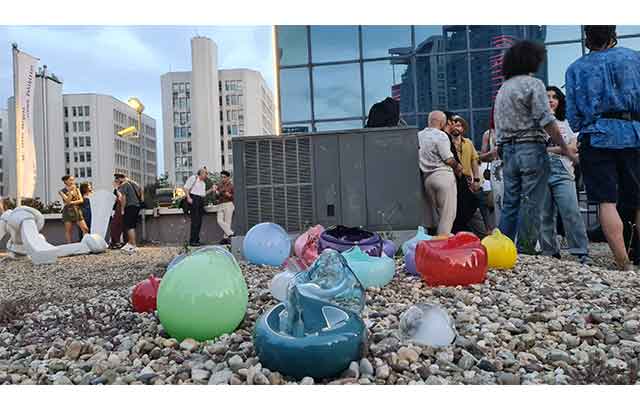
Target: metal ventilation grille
279, 182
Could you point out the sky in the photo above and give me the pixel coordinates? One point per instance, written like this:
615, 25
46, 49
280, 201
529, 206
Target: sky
126, 61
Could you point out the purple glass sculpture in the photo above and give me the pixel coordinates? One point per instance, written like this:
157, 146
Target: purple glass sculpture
342, 238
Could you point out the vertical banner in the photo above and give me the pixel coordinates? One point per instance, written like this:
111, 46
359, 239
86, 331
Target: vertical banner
24, 75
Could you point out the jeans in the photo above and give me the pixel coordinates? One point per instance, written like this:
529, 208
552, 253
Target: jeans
526, 174
561, 196
197, 211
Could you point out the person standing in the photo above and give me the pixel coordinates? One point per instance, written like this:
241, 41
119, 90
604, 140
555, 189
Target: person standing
560, 197
522, 115
196, 191
115, 225
225, 213
603, 105
132, 199
438, 167
71, 211
86, 190
464, 153
489, 153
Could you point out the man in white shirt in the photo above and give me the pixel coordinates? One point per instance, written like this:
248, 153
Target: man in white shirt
438, 166
196, 192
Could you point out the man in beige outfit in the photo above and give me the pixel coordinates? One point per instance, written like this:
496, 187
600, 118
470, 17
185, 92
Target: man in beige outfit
438, 166
225, 212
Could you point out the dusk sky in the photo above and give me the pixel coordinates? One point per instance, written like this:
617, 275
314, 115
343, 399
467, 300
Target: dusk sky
126, 61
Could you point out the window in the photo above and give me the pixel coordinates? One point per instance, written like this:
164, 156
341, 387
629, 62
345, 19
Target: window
82, 157
88, 140
75, 126
75, 142
383, 79
181, 87
87, 126
82, 173
176, 117
433, 39
81, 126
74, 111
67, 171
66, 112
81, 139
295, 94
88, 156
89, 172
222, 117
188, 117
175, 87
86, 112
183, 118
378, 40
66, 142
80, 113
333, 101
334, 43
292, 45
75, 172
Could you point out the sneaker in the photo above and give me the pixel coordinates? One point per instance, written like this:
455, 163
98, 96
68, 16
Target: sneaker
556, 255
195, 244
126, 247
585, 260
225, 241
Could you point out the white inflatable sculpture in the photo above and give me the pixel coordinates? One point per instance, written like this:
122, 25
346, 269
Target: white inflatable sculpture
24, 224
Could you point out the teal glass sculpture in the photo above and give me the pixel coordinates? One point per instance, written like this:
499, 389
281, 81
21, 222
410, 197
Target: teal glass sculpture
372, 271
317, 331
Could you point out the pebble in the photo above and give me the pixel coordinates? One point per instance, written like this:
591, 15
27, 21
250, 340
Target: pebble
383, 372
366, 368
189, 345
307, 381
538, 323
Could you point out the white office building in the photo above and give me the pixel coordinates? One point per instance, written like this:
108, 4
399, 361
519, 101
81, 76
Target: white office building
75, 134
3, 135
199, 120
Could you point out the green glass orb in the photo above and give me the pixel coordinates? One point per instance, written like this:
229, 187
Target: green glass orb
203, 296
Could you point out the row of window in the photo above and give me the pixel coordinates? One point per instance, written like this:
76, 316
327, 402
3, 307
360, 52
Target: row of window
235, 115
182, 118
182, 132
235, 130
182, 148
233, 85
83, 156
123, 119
181, 103
77, 111
82, 172
181, 87
233, 99
184, 161
78, 126
78, 142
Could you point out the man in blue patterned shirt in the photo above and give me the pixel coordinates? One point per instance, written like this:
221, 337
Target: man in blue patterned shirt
603, 105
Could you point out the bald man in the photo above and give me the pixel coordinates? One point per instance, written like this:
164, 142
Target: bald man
438, 166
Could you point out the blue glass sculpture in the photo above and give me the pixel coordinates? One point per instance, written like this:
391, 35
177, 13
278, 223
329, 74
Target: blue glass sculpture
372, 271
317, 331
266, 244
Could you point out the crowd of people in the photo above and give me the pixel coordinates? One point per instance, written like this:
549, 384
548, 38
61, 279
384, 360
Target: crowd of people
129, 201
523, 179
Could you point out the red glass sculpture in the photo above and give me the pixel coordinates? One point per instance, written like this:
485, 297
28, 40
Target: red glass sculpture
458, 261
145, 295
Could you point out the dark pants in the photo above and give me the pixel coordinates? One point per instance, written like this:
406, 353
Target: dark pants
467, 206
197, 211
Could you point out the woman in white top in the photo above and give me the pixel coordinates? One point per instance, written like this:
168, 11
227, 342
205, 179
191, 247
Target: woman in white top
489, 153
561, 195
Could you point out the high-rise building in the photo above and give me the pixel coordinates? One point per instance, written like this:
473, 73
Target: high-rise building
3, 136
76, 134
199, 120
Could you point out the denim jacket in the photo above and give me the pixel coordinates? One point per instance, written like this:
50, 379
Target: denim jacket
604, 82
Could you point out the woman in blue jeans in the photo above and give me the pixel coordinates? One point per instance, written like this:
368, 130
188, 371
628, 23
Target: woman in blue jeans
523, 119
561, 192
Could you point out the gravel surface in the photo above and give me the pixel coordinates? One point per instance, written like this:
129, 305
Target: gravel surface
544, 322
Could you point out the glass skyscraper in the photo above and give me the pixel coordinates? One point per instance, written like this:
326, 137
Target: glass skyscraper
330, 76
